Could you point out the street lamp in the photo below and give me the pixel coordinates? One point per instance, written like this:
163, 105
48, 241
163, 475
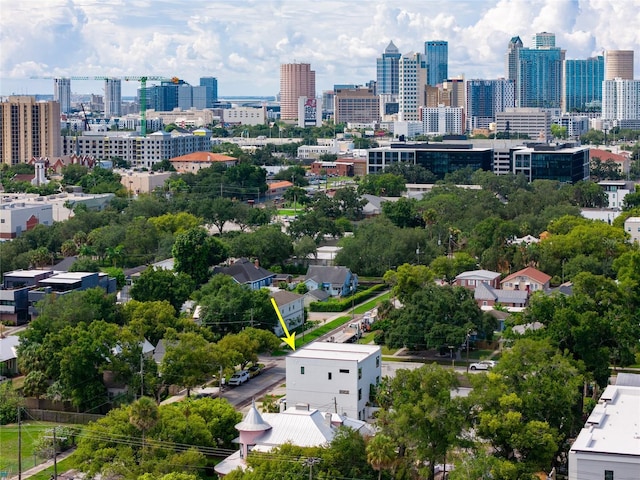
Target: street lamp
453, 359
468, 335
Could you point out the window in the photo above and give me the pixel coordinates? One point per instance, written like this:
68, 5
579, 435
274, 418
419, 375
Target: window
359, 373
343, 392
301, 370
360, 398
608, 475
329, 375
377, 361
344, 370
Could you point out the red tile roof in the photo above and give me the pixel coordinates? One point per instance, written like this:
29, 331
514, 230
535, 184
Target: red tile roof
530, 272
605, 155
207, 157
281, 184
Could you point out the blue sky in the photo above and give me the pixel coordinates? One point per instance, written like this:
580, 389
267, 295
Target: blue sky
243, 42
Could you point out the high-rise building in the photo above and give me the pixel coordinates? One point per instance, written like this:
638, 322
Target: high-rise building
544, 40
358, 105
412, 86
169, 95
539, 77
387, 69
443, 120
486, 98
621, 99
437, 59
582, 84
62, 93
29, 129
618, 64
211, 84
511, 58
112, 97
296, 80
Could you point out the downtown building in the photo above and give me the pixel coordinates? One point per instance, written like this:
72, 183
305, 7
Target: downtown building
62, 93
412, 86
437, 59
387, 69
538, 72
356, 105
442, 120
582, 84
618, 64
211, 90
296, 80
112, 97
621, 103
487, 98
170, 95
28, 129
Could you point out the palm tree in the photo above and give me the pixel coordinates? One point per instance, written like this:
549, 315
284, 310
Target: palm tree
143, 414
381, 453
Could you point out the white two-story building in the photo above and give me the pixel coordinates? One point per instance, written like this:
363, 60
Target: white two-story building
334, 377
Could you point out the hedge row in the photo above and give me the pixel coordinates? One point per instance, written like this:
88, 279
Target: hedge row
343, 304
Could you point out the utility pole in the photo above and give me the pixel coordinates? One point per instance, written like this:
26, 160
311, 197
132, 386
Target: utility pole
141, 374
55, 452
19, 444
468, 331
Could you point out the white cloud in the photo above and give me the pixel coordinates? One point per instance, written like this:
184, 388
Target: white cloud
243, 42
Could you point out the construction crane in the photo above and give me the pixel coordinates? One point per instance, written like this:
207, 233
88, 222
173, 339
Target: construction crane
137, 78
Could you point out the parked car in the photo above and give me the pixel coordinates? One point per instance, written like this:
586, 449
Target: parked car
482, 365
255, 370
239, 378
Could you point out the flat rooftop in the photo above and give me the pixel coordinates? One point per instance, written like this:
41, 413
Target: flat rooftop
336, 351
614, 424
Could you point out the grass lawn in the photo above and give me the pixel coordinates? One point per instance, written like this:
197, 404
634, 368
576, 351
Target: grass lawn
31, 434
63, 466
315, 334
365, 307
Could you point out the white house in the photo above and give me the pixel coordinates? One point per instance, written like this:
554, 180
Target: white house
632, 227
334, 376
608, 446
291, 306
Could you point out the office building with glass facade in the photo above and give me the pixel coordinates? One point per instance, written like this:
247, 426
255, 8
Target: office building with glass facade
211, 95
539, 77
583, 84
387, 71
486, 98
437, 58
564, 163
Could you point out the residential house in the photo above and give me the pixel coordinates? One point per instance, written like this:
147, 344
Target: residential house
608, 446
9, 355
632, 227
373, 207
196, 161
277, 189
248, 273
317, 295
291, 306
337, 374
471, 279
299, 425
616, 190
529, 279
337, 281
487, 297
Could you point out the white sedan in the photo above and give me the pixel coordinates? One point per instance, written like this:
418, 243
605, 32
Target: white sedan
482, 365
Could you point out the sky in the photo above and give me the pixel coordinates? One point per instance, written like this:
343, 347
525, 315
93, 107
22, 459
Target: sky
243, 42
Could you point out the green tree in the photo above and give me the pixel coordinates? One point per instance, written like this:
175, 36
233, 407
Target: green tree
150, 319
383, 184
268, 244
195, 251
157, 284
381, 453
143, 414
424, 420
188, 361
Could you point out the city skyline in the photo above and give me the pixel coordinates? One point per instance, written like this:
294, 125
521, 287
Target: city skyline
243, 43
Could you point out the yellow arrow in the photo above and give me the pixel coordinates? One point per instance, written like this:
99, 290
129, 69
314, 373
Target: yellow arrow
289, 339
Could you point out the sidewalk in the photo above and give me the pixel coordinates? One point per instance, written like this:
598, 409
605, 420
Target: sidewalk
43, 466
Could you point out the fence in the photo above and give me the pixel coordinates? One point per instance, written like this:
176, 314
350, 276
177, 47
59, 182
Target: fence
62, 417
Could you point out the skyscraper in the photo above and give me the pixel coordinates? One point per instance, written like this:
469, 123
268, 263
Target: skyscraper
296, 80
539, 74
112, 97
582, 84
544, 40
211, 84
387, 69
437, 59
62, 93
486, 98
618, 64
511, 58
412, 85
30, 129
621, 99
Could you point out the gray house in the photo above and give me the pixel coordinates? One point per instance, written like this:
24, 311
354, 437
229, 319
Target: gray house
248, 273
336, 281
